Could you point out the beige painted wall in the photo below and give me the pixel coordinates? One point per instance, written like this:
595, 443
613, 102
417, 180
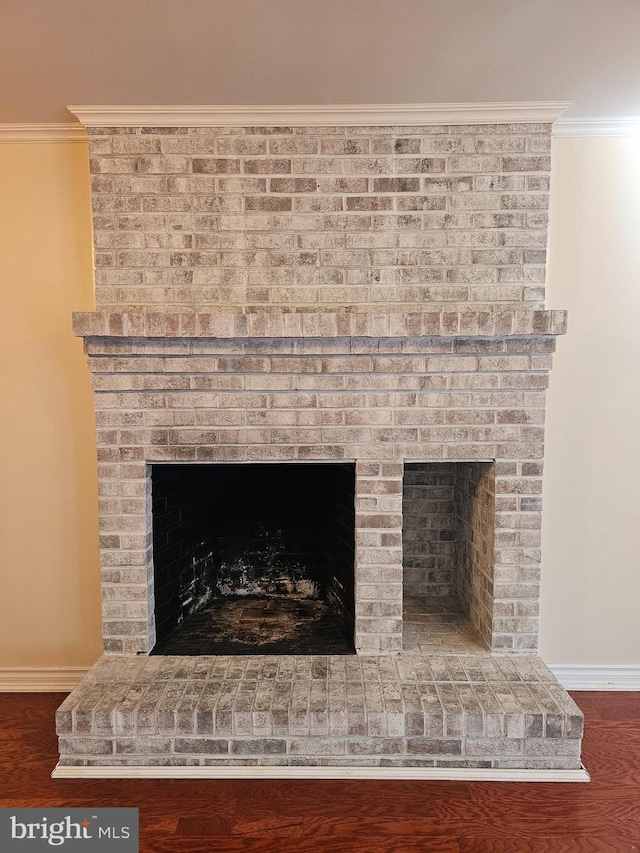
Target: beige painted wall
591, 518
317, 52
49, 592
49, 576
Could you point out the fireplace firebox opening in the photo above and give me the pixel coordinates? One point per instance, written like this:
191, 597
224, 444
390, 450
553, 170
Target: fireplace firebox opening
448, 532
253, 558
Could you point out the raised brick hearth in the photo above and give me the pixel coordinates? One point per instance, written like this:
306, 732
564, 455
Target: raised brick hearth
363, 296
470, 711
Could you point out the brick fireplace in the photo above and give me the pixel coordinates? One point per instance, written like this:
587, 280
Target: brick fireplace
365, 298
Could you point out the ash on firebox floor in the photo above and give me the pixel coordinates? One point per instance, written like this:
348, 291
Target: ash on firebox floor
279, 625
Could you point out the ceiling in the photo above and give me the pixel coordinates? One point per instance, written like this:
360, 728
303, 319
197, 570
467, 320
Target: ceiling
58, 52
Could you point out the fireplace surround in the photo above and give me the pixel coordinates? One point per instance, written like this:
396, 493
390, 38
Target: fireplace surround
362, 299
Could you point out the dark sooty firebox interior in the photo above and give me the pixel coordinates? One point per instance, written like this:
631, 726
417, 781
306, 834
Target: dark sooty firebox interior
253, 558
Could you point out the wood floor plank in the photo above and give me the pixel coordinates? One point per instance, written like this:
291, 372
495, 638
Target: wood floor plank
353, 790
531, 811
345, 844
420, 804
612, 746
623, 711
591, 715
546, 845
604, 698
330, 826
207, 827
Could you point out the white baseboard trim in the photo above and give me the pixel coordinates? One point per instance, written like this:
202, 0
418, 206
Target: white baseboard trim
398, 773
40, 679
571, 676
597, 676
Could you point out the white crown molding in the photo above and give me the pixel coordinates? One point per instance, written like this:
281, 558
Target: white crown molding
611, 126
317, 772
317, 115
597, 676
70, 132
40, 679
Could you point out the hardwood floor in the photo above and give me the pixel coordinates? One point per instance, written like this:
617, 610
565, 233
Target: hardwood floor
275, 816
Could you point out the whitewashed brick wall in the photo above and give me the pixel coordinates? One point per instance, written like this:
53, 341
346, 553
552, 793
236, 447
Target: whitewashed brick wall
212, 401
308, 218
365, 294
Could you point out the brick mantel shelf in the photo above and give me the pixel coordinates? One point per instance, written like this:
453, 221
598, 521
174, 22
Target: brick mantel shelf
464, 324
